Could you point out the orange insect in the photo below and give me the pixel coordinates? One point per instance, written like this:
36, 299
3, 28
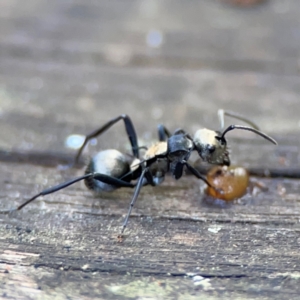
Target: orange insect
232, 182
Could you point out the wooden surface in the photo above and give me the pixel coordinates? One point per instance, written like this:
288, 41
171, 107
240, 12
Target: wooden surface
66, 67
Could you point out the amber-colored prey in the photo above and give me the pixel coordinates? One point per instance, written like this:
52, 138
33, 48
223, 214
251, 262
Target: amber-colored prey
232, 182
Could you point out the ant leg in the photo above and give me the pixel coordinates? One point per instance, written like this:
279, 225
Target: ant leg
163, 133
149, 178
101, 177
129, 130
112, 180
222, 113
196, 173
137, 190
52, 190
178, 170
179, 131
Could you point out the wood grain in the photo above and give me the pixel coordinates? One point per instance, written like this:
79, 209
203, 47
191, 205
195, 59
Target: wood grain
66, 67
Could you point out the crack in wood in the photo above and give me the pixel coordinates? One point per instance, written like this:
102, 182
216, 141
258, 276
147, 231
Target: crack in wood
135, 273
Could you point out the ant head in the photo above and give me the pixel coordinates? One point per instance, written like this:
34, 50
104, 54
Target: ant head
211, 147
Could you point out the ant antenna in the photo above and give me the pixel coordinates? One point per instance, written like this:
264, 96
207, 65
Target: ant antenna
232, 127
222, 113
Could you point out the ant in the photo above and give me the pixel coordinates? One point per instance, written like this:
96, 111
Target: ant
111, 169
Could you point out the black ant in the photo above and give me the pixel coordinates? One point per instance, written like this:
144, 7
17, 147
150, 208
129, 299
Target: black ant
111, 169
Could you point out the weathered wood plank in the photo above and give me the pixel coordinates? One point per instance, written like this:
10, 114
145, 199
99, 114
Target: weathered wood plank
257, 258
67, 67
60, 61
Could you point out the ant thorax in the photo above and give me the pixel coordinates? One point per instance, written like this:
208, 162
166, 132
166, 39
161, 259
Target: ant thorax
179, 147
158, 149
160, 166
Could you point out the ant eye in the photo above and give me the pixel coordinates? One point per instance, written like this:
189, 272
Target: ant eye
221, 140
211, 148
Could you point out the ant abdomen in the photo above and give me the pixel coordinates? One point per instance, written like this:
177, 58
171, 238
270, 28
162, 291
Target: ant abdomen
109, 162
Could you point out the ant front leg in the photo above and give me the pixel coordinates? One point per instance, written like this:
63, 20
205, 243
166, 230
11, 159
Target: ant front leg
177, 170
129, 130
196, 173
163, 133
179, 131
200, 176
